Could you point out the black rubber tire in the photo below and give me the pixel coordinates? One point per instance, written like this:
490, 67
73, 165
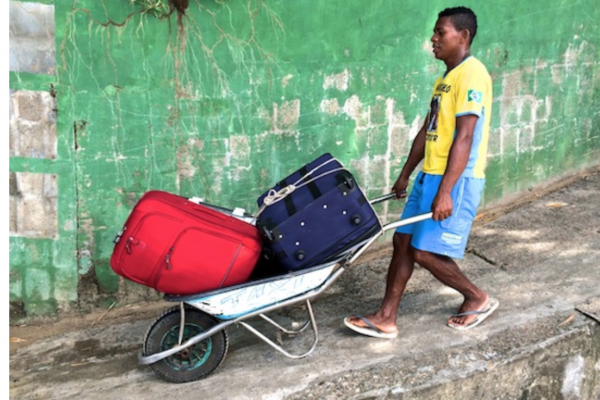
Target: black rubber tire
195, 362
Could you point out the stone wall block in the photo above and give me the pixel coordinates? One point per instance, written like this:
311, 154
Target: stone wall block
30, 105
12, 212
33, 205
13, 193
32, 124
50, 187
31, 32
13, 188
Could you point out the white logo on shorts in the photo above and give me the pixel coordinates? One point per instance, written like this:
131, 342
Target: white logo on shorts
451, 238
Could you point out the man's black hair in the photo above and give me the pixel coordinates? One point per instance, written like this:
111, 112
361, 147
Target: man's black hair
462, 18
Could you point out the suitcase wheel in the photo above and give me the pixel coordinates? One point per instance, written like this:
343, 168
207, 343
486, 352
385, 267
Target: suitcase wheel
299, 255
355, 220
349, 182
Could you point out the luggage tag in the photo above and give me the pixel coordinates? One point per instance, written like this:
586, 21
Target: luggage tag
118, 237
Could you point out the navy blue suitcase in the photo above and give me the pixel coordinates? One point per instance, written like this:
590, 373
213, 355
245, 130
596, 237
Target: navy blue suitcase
314, 215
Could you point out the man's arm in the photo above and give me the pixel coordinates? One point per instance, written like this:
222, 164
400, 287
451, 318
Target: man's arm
457, 161
416, 154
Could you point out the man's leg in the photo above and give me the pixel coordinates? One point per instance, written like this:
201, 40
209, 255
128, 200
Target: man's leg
446, 271
399, 272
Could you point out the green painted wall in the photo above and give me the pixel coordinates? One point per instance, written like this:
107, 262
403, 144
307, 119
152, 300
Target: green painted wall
235, 95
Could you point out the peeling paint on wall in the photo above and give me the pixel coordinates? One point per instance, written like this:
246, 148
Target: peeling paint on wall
330, 106
353, 109
186, 155
337, 81
284, 117
286, 80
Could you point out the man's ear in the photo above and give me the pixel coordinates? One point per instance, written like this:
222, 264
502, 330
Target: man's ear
466, 35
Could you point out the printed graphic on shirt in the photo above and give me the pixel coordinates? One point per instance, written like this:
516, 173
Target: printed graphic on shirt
442, 87
434, 114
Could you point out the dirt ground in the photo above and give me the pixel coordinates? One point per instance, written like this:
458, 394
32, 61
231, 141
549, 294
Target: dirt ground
25, 334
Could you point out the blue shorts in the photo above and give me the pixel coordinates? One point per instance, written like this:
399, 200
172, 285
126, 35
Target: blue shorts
447, 237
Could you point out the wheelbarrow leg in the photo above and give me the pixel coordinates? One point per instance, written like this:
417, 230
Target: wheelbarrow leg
312, 322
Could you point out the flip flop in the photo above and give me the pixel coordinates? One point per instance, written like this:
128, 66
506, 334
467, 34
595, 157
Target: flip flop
481, 316
370, 329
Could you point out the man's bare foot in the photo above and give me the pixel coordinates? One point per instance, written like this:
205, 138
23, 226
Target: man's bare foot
469, 305
472, 317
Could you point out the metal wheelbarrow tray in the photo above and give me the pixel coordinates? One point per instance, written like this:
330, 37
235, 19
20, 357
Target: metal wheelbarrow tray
189, 341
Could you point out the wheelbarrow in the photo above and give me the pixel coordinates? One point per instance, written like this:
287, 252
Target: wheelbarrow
189, 341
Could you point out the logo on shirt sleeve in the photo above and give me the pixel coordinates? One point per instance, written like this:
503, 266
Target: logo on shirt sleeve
474, 95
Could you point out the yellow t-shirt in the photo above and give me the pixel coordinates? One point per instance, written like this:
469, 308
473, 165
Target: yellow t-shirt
466, 89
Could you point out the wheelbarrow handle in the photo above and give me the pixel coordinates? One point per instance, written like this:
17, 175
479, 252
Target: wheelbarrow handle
386, 197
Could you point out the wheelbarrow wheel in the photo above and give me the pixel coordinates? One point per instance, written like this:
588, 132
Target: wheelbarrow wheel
194, 362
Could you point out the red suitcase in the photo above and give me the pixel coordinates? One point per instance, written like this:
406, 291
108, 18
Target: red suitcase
179, 247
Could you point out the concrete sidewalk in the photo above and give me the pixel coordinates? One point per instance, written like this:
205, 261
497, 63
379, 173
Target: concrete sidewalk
541, 260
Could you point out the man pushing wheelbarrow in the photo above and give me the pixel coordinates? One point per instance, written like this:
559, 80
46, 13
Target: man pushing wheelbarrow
452, 145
